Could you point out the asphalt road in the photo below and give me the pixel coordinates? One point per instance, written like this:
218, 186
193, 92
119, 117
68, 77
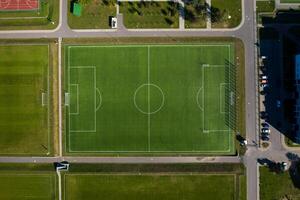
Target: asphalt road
246, 32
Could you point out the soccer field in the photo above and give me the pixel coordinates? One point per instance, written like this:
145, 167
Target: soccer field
149, 187
16, 185
24, 89
150, 98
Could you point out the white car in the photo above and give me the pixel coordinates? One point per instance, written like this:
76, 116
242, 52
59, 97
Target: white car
114, 22
264, 77
265, 130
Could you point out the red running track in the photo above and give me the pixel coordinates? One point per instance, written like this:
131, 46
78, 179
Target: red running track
19, 5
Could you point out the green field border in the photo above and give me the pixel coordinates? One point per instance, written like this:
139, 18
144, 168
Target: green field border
147, 152
197, 169
52, 92
48, 93
239, 60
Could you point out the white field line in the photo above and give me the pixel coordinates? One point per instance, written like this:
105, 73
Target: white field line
159, 45
100, 99
149, 105
229, 135
60, 99
222, 108
190, 152
203, 113
77, 100
95, 113
48, 92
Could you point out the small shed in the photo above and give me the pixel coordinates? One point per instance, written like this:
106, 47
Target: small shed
77, 9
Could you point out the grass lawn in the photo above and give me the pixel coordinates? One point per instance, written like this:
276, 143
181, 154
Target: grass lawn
28, 185
24, 120
290, 1
150, 14
148, 100
149, 187
265, 6
195, 18
231, 13
36, 19
95, 15
276, 186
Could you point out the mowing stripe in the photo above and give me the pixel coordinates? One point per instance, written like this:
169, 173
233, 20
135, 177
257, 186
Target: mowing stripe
149, 97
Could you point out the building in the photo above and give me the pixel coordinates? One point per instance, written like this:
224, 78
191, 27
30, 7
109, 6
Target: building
297, 107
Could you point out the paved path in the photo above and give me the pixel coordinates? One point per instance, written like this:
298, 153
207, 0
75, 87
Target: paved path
189, 159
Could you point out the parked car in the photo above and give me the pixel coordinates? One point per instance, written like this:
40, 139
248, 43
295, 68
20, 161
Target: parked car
278, 104
264, 85
265, 125
265, 134
263, 115
264, 77
265, 138
264, 81
265, 130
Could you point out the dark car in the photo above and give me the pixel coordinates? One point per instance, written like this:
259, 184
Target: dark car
263, 115
265, 125
265, 138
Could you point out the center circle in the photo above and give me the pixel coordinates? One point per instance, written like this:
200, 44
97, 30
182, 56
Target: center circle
149, 98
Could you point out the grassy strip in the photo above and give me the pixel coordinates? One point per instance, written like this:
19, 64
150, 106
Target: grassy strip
265, 6
28, 185
242, 187
277, 186
33, 23
289, 1
26, 167
95, 15
148, 187
150, 14
54, 96
158, 168
226, 14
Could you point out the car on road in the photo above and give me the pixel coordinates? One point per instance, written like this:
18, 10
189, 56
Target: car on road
263, 115
264, 77
264, 85
265, 130
265, 138
278, 104
265, 125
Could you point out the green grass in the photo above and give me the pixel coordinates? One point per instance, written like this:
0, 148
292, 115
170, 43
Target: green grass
150, 14
194, 18
37, 19
276, 186
148, 187
109, 103
290, 1
243, 187
28, 185
95, 15
265, 6
23, 119
228, 8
